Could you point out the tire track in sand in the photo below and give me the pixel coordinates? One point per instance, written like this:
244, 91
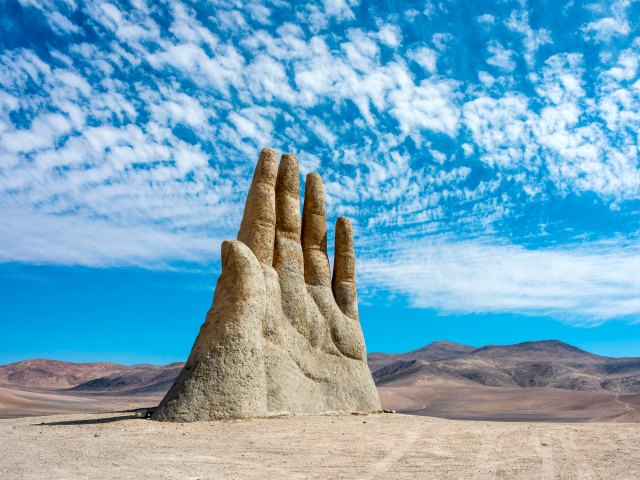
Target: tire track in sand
482, 460
490, 456
382, 466
546, 448
498, 457
578, 459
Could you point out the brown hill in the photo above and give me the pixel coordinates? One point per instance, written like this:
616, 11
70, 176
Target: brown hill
53, 374
139, 379
45, 374
46, 387
530, 364
434, 351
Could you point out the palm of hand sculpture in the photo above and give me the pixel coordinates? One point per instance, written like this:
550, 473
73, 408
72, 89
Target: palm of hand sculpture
281, 335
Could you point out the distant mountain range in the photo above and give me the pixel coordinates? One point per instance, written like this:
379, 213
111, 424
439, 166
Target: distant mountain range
89, 377
53, 374
546, 380
530, 364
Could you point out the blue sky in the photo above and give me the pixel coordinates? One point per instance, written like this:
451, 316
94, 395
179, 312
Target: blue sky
487, 153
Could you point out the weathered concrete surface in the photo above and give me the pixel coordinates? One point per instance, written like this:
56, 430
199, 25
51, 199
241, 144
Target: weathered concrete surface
281, 335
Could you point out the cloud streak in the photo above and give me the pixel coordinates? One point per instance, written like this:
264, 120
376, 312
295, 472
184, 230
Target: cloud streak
585, 284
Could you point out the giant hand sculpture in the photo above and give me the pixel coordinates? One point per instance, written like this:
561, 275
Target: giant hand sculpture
282, 336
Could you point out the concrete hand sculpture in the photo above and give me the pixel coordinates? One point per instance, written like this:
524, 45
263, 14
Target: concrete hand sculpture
281, 336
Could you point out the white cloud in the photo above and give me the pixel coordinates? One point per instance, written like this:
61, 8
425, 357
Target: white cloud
56, 18
561, 79
362, 51
425, 106
425, 57
390, 36
411, 14
43, 132
468, 150
500, 127
220, 71
187, 29
179, 108
260, 13
322, 131
97, 243
231, 21
561, 137
267, 80
62, 24
532, 39
254, 126
605, 28
627, 66
441, 39
486, 79
500, 57
582, 283
339, 9
487, 19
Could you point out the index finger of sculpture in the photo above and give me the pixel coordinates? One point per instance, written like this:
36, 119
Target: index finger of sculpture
314, 233
344, 269
257, 230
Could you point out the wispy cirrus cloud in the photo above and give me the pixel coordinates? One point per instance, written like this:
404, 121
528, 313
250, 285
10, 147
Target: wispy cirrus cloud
584, 284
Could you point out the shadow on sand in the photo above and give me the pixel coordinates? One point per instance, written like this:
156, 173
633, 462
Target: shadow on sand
88, 421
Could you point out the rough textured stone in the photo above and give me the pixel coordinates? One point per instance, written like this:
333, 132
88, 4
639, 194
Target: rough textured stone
281, 335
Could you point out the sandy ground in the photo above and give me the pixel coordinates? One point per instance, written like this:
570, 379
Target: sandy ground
323, 447
18, 402
512, 404
432, 399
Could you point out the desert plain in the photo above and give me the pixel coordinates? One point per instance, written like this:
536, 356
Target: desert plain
393, 446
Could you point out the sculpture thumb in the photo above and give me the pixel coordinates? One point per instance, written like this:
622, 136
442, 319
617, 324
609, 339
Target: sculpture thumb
224, 376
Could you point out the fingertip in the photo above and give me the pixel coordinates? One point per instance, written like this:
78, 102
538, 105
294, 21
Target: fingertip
344, 233
289, 157
288, 174
314, 181
257, 229
267, 168
343, 222
314, 194
231, 248
224, 252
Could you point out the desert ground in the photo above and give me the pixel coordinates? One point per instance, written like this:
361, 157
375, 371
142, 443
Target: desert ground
308, 447
470, 402
21, 402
